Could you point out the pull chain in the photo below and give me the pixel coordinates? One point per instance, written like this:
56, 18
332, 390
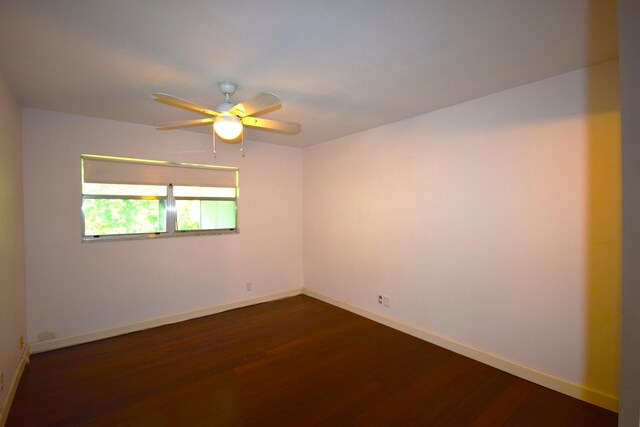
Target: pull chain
213, 131
242, 146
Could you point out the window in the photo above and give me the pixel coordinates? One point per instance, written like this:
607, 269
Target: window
131, 198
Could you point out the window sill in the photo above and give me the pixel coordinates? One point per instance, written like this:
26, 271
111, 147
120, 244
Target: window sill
151, 236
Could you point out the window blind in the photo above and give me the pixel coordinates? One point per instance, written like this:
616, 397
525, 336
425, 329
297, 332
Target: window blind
114, 170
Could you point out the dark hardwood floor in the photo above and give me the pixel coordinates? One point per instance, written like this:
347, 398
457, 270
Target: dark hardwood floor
296, 361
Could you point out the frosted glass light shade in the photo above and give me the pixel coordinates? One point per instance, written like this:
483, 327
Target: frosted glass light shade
227, 126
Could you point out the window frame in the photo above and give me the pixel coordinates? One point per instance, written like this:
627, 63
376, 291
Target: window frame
174, 221
170, 210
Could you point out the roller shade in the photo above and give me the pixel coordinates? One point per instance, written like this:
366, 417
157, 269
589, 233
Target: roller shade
130, 171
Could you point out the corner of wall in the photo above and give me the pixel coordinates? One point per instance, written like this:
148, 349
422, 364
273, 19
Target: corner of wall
13, 386
13, 301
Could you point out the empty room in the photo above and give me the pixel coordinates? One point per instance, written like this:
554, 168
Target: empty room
319, 213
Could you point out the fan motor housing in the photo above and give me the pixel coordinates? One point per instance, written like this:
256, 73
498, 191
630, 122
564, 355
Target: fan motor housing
225, 106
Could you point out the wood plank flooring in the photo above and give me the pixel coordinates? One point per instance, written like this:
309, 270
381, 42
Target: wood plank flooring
296, 361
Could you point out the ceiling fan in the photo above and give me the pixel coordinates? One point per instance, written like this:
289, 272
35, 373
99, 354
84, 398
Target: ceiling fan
228, 120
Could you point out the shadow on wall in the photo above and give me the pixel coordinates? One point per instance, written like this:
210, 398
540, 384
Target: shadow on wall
604, 225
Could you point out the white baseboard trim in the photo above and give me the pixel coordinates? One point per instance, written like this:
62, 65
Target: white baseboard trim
54, 344
541, 378
13, 387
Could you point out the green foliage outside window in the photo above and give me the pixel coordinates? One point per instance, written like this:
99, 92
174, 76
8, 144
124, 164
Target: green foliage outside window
123, 216
187, 218
128, 216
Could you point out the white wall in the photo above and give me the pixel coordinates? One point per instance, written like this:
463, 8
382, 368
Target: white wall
12, 294
494, 223
75, 288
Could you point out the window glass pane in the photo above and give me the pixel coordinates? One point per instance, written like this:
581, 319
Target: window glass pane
118, 216
182, 191
205, 214
124, 189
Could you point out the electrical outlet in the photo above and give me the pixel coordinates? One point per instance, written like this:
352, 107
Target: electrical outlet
379, 299
385, 300
21, 342
249, 286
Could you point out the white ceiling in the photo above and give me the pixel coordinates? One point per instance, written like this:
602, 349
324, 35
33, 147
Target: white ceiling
339, 67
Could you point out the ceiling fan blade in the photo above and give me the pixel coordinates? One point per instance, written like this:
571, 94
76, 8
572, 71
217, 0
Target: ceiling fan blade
181, 103
276, 125
185, 124
260, 104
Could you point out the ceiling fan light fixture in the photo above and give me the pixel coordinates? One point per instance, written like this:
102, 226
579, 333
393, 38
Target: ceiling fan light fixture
227, 126
229, 119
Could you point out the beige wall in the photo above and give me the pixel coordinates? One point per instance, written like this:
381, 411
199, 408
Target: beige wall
76, 288
494, 223
12, 293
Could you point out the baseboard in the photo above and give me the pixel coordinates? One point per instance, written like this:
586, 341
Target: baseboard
13, 387
54, 344
542, 378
